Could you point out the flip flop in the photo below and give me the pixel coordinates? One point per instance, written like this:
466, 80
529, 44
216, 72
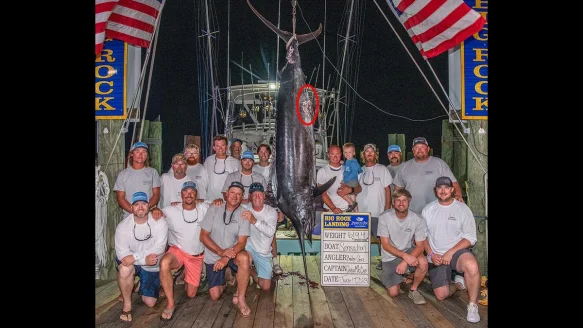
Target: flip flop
167, 311
128, 315
241, 311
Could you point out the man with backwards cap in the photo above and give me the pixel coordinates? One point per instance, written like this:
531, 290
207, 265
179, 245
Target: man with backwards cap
451, 231
236, 148
138, 176
184, 243
172, 182
263, 220
246, 176
224, 234
418, 175
140, 241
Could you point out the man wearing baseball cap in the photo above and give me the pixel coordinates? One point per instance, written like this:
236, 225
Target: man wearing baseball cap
263, 220
246, 176
185, 247
224, 234
171, 183
395, 157
451, 231
418, 175
140, 241
138, 176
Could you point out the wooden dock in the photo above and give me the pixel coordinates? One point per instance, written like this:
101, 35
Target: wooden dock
288, 304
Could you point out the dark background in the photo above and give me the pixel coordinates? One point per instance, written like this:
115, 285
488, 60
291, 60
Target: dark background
388, 77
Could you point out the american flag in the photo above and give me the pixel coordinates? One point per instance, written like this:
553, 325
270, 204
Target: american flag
103, 9
437, 25
132, 21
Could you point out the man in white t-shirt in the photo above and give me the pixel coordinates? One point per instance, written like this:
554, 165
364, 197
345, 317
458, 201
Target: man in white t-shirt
375, 181
263, 220
397, 228
171, 183
140, 241
138, 176
263, 167
218, 166
395, 160
184, 244
333, 197
451, 231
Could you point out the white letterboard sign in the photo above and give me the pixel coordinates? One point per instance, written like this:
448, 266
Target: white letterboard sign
345, 249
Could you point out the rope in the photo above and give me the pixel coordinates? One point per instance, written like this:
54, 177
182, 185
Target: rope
101, 197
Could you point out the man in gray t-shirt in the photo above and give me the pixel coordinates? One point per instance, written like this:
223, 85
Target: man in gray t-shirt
418, 175
397, 228
224, 234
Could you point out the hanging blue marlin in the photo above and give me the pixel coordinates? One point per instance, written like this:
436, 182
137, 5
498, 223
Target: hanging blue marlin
294, 179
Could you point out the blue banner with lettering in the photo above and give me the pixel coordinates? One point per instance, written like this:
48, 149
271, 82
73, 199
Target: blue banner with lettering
110, 80
346, 221
474, 64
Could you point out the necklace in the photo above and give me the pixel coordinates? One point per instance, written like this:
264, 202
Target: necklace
183, 218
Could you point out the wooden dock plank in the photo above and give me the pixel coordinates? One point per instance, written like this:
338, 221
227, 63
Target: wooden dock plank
151, 317
377, 314
190, 311
301, 300
338, 310
318, 301
430, 312
266, 307
289, 305
355, 306
284, 311
455, 315
396, 314
251, 297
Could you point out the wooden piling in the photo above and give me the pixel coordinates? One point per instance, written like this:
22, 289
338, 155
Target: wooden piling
107, 146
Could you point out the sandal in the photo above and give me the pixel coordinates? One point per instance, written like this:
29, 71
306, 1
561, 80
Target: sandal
128, 315
243, 308
167, 312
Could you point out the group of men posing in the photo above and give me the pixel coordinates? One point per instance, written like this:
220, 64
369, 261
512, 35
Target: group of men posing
215, 213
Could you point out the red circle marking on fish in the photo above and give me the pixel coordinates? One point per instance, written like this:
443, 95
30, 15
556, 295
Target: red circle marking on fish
298, 104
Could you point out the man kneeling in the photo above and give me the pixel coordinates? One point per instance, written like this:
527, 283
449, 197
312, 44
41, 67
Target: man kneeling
224, 235
397, 226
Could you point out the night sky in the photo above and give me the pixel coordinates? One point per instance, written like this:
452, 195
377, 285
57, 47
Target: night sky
387, 76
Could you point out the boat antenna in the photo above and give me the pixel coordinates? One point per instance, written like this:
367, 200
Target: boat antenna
324, 51
208, 33
294, 3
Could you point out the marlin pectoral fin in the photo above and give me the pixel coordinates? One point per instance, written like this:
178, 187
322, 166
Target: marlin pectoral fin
321, 189
282, 34
309, 36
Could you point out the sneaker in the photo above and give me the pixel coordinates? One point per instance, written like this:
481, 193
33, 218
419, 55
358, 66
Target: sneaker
417, 298
351, 207
460, 280
277, 269
473, 315
379, 265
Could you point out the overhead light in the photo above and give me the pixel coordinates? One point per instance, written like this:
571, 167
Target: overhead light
272, 86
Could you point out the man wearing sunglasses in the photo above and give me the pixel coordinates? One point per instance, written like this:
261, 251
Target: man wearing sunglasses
224, 234
246, 176
140, 241
184, 244
218, 166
